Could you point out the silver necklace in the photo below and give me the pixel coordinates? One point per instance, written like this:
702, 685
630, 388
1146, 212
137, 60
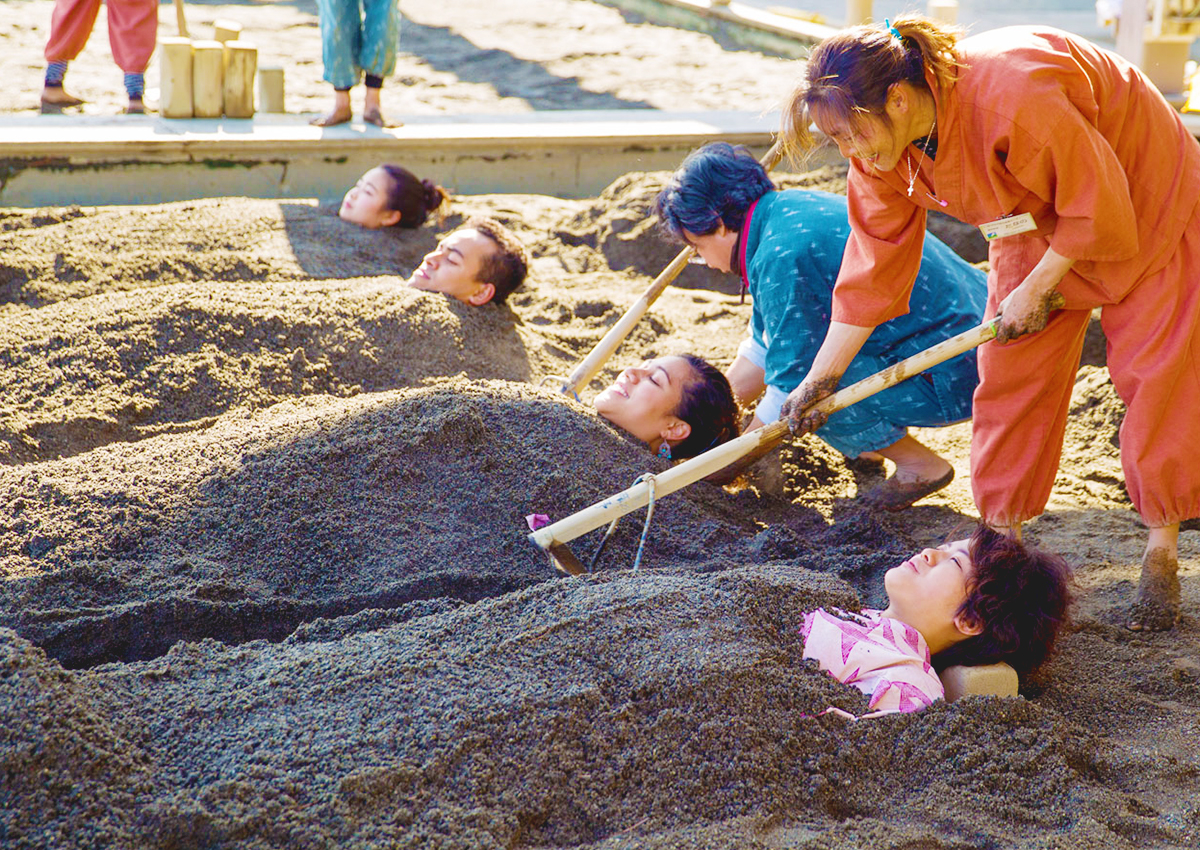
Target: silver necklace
912, 173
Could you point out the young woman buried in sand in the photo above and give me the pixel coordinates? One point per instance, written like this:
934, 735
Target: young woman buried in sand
978, 601
679, 406
388, 196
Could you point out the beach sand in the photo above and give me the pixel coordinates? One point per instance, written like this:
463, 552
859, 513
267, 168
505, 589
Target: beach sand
266, 580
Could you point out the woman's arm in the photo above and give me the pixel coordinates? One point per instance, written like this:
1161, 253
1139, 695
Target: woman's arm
842, 343
746, 378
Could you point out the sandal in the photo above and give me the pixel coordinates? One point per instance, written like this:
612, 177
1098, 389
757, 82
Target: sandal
893, 495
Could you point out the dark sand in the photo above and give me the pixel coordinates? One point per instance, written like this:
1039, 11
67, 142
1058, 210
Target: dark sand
266, 581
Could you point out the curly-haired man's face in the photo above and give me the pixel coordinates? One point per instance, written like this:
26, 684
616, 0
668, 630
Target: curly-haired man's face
453, 267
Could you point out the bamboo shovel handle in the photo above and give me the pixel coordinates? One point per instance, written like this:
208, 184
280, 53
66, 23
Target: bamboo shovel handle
604, 349
703, 465
183, 31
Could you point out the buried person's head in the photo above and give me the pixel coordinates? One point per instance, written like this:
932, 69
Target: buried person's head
982, 600
389, 195
679, 405
481, 261
706, 201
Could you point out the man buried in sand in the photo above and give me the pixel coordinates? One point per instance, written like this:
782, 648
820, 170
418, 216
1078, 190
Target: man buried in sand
480, 262
787, 247
978, 601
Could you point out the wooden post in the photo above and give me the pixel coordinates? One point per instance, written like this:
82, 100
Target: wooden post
241, 58
208, 79
180, 20
175, 65
270, 89
225, 30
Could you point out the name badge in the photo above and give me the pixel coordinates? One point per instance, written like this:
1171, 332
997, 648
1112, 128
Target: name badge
1009, 225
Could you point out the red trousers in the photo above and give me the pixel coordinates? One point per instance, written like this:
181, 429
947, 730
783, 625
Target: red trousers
132, 31
1021, 404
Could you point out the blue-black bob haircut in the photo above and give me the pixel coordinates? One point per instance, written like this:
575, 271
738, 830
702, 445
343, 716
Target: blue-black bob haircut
715, 185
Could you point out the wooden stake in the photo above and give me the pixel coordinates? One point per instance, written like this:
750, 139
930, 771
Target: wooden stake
208, 79
175, 65
604, 349
690, 471
180, 20
241, 59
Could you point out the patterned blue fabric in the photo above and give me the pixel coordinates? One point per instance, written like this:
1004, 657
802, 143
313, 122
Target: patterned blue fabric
55, 71
357, 37
794, 246
135, 85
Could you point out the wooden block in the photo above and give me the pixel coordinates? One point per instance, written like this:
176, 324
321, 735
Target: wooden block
270, 89
998, 680
208, 79
241, 59
175, 84
225, 30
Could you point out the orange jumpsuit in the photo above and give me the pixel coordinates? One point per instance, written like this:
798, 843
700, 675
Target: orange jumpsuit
1043, 122
132, 30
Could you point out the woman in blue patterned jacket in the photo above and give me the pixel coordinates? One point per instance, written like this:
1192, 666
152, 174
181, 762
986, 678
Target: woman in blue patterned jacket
787, 247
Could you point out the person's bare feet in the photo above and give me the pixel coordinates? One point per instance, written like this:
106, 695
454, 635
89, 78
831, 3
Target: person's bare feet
1157, 605
56, 99
333, 117
375, 116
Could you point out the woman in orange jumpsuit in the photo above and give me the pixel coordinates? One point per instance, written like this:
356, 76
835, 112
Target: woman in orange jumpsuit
1088, 184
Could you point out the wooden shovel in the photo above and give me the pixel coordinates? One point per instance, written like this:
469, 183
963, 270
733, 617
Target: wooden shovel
604, 349
553, 538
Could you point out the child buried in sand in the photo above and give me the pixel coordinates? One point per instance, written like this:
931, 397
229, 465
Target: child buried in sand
389, 195
679, 406
478, 263
978, 601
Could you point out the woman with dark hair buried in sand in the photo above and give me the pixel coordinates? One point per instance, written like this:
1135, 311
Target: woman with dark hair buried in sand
985, 600
391, 196
679, 406
1085, 182
787, 247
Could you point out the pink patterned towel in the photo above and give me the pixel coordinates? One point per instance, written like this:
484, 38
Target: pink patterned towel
884, 658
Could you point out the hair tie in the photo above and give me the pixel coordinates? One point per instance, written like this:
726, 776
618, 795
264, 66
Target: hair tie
895, 32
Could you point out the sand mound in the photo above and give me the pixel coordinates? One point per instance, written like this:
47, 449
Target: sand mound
620, 225
65, 761
55, 255
621, 707
119, 367
323, 507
